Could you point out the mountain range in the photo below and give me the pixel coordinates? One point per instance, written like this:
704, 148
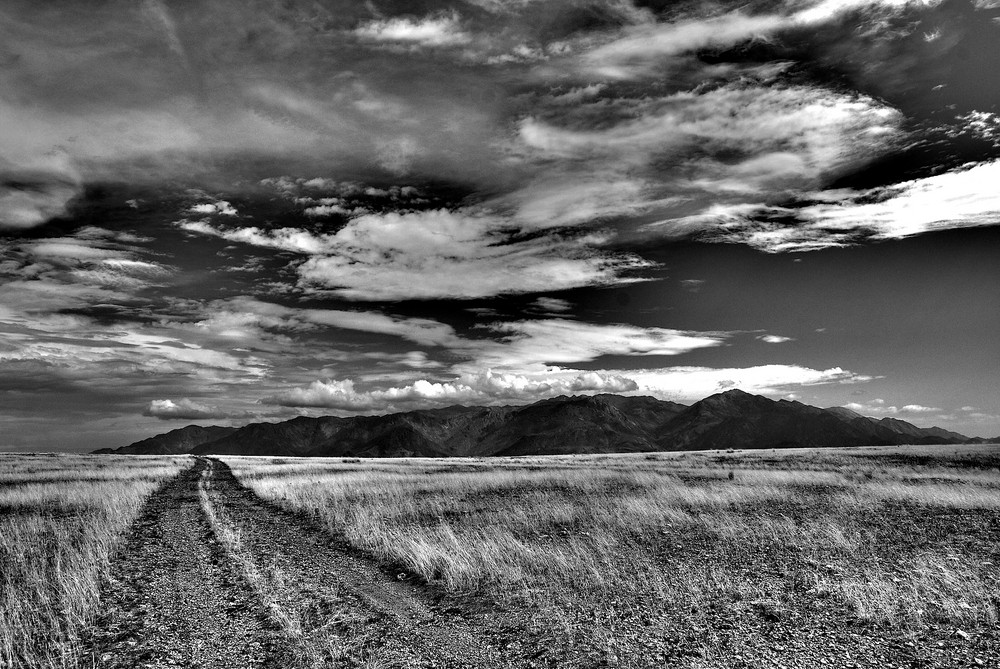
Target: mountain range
561, 425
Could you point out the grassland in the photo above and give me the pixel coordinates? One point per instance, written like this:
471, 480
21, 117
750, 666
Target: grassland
61, 517
705, 554
865, 557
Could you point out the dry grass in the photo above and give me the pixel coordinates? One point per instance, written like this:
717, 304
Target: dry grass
61, 517
603, 539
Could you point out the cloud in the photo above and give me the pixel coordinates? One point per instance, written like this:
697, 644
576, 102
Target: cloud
879, 407
659, 156
557, 341
436, 254
513, 345
36, 190
441, 30
326, 210
636, 53
92, 257
960, 198
181, 409
698, 382
482, 388
220, 207
552, 305
827, 10
692, 285
245, 317
492, 387
774, 339
648, 49
160, 15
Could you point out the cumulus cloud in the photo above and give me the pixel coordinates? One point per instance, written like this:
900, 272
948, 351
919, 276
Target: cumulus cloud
181, 409
220, 207
482, 388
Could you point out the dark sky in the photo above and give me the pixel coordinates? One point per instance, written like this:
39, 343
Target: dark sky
220, 212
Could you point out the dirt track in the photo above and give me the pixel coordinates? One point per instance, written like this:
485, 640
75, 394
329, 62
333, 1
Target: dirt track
173, 599
275, 593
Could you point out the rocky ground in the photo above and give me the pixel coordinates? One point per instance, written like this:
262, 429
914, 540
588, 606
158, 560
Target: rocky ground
281, 592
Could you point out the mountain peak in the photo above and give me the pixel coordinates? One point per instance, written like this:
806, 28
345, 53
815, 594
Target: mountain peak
732, 397
734, 392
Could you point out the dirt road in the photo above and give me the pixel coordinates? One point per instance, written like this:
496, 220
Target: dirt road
173, 598
212, 577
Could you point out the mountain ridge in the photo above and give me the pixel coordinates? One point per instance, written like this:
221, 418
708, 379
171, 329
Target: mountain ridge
579, 424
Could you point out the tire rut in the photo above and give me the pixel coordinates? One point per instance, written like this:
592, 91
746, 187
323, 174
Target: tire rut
348, 611
173, 598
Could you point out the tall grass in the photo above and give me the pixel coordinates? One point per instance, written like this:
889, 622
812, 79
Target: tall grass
613, 537
61, 518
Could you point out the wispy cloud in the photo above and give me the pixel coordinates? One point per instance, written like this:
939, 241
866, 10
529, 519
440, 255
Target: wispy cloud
528, 344
245, 317
552, 305
436, 254
958, 199
879, 407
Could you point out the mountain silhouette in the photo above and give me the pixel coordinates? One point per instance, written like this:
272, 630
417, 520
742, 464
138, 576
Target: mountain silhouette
560, 425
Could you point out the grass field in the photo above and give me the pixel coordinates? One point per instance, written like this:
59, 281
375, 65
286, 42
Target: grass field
621, 552
61, 517
710, 559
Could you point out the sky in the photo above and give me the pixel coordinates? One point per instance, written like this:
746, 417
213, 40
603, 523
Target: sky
221, 212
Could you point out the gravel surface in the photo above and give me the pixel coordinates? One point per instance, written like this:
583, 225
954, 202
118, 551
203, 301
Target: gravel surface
173, 599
